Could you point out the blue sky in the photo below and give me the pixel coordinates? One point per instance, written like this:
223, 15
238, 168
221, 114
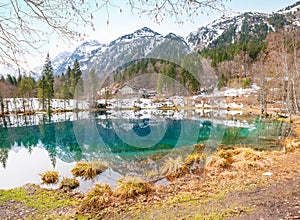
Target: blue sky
127, 22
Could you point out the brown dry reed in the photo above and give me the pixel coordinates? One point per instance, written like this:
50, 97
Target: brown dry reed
131, 186
96, 199
88, 170
49, 177
69, 183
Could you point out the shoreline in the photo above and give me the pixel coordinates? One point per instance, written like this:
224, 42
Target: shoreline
190, 196
201, 195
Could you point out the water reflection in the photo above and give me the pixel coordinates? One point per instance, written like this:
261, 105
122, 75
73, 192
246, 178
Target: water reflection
126, 144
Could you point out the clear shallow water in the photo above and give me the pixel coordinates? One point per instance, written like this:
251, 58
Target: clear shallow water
134, 145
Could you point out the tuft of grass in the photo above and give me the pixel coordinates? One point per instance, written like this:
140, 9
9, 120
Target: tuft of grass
88, 170
69, 183
198, 148
173, 168
49, 177
247, 158
131, 186
152, 174
241, 159
192, 159
193, 163
96, 199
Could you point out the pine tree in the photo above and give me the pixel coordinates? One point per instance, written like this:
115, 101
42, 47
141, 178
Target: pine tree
68, 76
46, 84
25, 90
76, 84
93, 80
10, 79
64, 92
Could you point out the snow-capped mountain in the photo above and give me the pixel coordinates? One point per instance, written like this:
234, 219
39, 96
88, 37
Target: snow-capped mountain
290, 9
293, 13
56, 63
8, 69
83, 54
143, 43
231, 28
146, 43
237, 25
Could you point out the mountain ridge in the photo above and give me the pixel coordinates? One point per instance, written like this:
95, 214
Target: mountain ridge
147, 42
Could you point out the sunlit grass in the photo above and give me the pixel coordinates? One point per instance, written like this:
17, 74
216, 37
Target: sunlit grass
49, 177
41, 201
173, 168
194, 158
69, 183
96, 199
88, 170
239, 159
151, 174
130, 186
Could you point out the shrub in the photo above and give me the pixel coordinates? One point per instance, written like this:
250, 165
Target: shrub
96, 199
69, 183
49, 177
130, 186
240, 159
198, 148
152, 174
246, 158
173, 168
193, 159
88, 170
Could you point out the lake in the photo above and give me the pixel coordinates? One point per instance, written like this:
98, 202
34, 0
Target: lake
128, 141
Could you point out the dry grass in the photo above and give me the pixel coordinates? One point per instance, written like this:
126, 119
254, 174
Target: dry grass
96, 199
88, 170
241, 159
69, 183
49, 177
151, 174
198, 148
194, 163
173, 168
131, 186
291, 144
192, 159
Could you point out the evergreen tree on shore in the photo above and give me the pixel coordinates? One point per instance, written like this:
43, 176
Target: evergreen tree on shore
46, 84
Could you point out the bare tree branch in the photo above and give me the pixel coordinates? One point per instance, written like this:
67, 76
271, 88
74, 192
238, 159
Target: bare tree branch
27, 25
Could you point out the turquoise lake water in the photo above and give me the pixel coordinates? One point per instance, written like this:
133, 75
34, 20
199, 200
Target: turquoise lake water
125, 144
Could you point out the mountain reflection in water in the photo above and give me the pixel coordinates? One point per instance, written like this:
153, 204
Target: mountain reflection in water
122, 143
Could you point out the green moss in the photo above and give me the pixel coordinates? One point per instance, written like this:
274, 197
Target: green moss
43, 201
17, 194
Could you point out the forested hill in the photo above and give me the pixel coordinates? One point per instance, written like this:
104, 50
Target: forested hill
239, 48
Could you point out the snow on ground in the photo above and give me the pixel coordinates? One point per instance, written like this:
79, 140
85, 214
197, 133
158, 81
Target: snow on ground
213, 105
33, 104
290, 11
235, 92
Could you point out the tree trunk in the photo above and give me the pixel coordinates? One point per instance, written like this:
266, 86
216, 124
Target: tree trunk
295, 103
49, 106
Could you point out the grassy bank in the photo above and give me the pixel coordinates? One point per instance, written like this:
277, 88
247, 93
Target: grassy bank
232, 191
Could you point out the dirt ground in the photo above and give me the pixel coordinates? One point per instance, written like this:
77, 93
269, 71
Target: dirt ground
255, 197
249, 195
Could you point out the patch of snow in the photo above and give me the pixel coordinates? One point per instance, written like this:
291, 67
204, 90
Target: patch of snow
291, 10
297, 23
267, 174
8, 69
